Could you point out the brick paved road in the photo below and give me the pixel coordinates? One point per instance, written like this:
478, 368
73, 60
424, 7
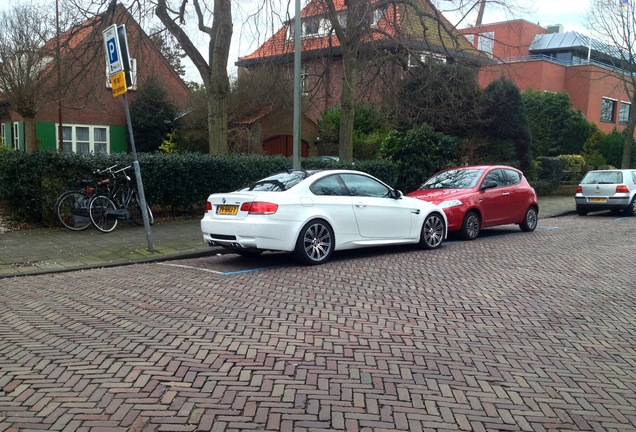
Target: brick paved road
529, 332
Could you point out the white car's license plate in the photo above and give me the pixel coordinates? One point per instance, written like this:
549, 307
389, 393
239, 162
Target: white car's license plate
597, 199
227, 210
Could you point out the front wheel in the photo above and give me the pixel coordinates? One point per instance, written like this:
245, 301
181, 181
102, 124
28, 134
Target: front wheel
71, 210
530, 221
315, 243
101, 210
433, 231
471, 226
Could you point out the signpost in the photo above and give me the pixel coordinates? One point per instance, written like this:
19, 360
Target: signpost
118, 59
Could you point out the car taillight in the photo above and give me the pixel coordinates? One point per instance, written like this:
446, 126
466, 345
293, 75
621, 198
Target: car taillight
208, 206
622, 189
259, 207
579, 189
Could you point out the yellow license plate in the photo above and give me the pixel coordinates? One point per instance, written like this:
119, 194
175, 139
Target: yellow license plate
599, 200
227, 210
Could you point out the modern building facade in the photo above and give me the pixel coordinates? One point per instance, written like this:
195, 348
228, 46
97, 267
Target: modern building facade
549, 59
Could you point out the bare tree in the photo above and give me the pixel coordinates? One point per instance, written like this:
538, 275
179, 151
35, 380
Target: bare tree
615, 23
24, 62
214, 74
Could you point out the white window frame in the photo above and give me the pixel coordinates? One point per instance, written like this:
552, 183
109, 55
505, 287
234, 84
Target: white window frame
486, 43
314, 21
425, 57
15, 138
304, 80
133, 75
470, 38
622, 120
91, 136
378, 15
2, 134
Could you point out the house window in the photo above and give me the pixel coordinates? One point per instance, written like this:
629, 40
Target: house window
378, 15
470, 38
304, 81
133, 76
623, 112
608, 110
311, 27
16, 136
486, 42
2, 134
83, 139
425, 57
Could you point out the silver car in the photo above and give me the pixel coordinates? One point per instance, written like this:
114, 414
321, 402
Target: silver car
613, 190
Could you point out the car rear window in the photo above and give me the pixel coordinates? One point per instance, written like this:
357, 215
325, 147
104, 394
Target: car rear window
603, 177
278, 182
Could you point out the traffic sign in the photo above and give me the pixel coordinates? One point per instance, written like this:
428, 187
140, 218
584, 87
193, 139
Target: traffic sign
118, 83
113, 52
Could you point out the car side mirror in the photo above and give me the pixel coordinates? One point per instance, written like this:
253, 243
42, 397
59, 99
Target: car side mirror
488, 185
396, 194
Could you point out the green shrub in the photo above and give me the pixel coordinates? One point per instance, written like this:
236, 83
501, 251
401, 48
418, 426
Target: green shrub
549, 175
175, 183
418, 154
574, 167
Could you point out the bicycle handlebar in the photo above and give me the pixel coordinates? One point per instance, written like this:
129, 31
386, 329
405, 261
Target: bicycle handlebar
106, 170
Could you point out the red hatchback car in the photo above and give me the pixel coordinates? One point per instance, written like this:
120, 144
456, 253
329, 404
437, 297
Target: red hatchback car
476, 197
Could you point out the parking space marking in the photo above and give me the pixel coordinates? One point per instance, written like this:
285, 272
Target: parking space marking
190, 267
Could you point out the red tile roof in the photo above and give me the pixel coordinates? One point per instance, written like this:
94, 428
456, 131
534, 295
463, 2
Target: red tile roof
397, 21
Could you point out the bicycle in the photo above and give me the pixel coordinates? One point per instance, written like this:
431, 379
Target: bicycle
120, 203
72, 206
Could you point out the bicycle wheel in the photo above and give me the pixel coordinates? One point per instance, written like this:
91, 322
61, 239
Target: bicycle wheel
135, 211
99, 209
71, 210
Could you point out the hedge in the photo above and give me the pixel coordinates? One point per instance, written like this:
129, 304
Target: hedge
173, 183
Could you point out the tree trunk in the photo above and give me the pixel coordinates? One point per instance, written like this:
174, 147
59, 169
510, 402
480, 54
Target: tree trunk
347, 106
629, 135
30, 140
218, 86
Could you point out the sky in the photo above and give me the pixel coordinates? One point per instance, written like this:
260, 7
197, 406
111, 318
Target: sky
248, 34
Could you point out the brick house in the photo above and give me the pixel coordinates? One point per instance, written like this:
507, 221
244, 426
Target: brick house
552, 60
93, 121
398, 34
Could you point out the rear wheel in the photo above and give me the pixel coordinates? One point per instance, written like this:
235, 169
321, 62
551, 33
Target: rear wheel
631, 210
315, 243
101, 208
471, 226
134, 209
530, 221
71, 210
433, 231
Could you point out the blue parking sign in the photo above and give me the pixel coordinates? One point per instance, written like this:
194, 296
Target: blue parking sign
111, 45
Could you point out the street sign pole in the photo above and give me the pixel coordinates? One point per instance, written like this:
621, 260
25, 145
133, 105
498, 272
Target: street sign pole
116, 47
140, 185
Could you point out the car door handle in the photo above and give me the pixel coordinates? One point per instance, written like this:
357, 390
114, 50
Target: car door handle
506, 193
416, 211
360, 204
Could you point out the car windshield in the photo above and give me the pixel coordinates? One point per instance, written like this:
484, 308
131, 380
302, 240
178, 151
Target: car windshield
603, 177
454, 179
278, 182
